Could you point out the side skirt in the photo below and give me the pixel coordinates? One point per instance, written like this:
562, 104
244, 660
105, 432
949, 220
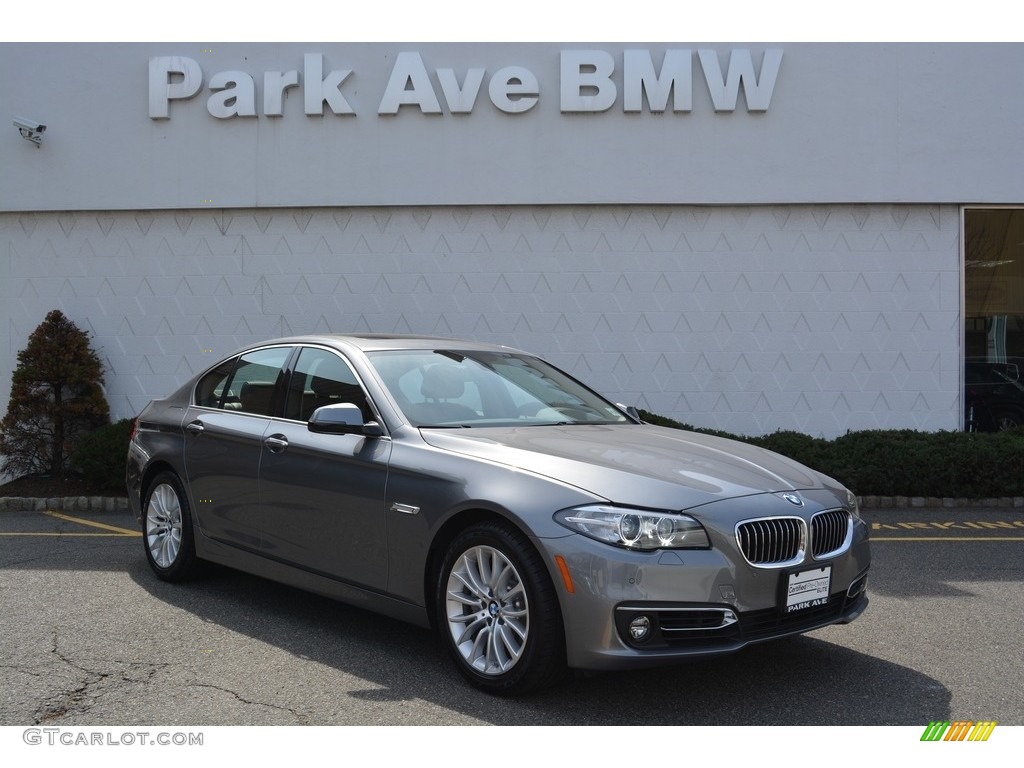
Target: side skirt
249, 562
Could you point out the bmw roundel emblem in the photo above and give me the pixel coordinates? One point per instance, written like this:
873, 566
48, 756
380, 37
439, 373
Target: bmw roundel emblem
792, 498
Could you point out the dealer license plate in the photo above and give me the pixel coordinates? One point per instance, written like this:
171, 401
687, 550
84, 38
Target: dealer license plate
807, 589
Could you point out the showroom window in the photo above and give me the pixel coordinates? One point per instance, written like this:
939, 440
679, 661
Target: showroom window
993, 319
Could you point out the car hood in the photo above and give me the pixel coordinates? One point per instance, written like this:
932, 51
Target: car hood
651, 466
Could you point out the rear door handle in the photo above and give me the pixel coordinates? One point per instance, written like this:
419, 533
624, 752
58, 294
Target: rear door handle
276, 443
195, 428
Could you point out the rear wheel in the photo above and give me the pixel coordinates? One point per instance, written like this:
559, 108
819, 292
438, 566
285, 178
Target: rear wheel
498, 613
1006, 420
167, 530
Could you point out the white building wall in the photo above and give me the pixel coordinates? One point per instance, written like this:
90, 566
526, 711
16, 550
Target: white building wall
856, 123
751, 319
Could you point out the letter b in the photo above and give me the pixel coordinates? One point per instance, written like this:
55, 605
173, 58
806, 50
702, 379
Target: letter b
601, 91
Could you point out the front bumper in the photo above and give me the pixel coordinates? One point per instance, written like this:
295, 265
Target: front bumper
696, 602
710, 629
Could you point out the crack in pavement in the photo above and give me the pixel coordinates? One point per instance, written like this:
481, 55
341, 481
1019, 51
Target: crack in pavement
93, 679
91, 684
300, 719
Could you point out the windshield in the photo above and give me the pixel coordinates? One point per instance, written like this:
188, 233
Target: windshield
451, 388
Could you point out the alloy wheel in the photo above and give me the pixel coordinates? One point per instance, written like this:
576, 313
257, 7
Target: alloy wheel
163, 525
487, 610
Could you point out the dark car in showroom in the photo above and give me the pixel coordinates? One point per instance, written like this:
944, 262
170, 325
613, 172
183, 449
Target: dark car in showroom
479, 490
993, 395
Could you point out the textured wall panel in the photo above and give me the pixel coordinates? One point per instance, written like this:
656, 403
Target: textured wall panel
750, 319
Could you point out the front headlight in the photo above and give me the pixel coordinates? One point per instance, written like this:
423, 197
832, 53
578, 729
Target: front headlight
851, 504
635, 528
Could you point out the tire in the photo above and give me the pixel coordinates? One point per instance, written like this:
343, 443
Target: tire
497, 611
167, 530
1007, 420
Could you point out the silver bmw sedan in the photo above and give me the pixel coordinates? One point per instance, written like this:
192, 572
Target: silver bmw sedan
478, 489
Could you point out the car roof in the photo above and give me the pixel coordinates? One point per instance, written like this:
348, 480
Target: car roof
369, 342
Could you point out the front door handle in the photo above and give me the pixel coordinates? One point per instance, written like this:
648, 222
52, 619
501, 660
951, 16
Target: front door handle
276, 443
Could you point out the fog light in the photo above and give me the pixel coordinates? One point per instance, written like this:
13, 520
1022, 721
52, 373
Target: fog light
857, 587
640, 627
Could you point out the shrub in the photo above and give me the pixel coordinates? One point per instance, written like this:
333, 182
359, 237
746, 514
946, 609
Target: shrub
812, 451
902, 462
665, 421
102, 457
56, 399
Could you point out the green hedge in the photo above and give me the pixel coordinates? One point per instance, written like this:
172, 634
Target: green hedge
902, 462
102, 457
870, 463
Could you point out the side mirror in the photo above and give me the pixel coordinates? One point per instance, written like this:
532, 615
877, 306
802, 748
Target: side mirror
342, 419
631, 411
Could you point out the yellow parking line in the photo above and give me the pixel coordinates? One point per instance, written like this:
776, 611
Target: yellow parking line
94, 524
947, 538
114, 535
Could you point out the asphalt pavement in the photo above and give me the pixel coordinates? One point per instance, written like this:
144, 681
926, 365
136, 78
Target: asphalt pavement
91, 637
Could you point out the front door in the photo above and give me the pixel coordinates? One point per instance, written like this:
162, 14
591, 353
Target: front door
322, 495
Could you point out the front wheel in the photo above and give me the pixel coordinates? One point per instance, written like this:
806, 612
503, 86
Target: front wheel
498, 613
167, 530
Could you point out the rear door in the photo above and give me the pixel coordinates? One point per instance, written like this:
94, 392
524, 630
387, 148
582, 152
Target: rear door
224, 432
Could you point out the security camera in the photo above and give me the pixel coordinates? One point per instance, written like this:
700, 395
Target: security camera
30, 129
28, 125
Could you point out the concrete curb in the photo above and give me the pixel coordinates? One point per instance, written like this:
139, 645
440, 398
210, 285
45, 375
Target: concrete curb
120, 503
930, 502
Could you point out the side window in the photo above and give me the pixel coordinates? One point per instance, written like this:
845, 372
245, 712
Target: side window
254, 381
321, 378
211, 388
